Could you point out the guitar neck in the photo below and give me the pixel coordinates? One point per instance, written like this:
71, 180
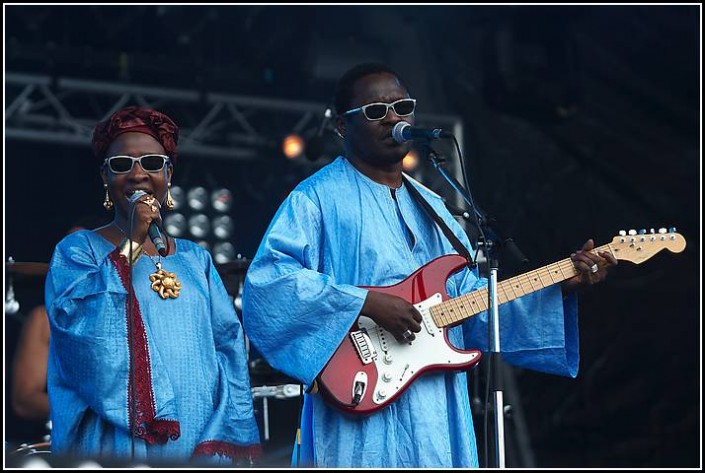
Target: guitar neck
463, 307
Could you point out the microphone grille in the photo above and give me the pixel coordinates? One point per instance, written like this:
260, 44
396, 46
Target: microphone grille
135, 196
398, 132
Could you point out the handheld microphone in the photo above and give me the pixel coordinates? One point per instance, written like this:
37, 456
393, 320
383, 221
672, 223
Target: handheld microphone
403, 132
153, 231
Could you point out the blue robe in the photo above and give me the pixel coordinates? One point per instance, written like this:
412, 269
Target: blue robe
339, 230
190, 394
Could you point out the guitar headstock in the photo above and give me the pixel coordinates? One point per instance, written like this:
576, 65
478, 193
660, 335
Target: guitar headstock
639, 246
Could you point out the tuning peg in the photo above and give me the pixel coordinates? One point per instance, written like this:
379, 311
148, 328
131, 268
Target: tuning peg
632, 232
662, 230
642, 231
672, 230
652, 231
622, 233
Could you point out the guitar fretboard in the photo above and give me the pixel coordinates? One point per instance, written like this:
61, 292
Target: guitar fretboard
460, 308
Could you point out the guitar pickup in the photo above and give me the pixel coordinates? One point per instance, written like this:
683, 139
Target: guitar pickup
363, 345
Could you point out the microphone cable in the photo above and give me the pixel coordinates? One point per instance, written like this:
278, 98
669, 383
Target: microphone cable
132, 403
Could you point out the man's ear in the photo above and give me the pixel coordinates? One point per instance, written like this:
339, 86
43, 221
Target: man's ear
340, 127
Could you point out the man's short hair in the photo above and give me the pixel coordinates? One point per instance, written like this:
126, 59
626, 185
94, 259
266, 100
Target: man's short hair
346, 84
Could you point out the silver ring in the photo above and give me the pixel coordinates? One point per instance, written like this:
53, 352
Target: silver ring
594, 268
407, 335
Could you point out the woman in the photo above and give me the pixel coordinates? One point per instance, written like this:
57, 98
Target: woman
147, 358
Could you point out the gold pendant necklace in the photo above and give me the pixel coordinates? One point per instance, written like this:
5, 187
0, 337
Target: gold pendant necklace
164, 283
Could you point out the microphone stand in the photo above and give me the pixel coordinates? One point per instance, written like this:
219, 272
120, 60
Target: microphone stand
487, 240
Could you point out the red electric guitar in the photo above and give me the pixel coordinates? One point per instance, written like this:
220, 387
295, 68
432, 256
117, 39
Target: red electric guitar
370, 369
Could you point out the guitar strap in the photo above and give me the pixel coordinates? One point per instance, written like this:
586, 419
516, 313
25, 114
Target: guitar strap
462, 251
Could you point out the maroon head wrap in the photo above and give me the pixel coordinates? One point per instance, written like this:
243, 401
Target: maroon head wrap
140, 120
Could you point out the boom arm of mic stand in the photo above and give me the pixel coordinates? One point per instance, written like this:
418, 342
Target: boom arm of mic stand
485, 223
438, 164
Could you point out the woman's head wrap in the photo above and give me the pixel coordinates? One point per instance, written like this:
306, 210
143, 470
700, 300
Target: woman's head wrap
139, 120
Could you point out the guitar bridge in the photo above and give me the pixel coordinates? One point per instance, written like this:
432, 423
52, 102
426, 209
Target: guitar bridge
363, 345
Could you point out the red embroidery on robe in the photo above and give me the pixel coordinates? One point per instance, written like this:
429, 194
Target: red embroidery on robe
141, 410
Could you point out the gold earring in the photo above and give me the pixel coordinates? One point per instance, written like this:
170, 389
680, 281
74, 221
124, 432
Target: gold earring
169, 204
107, 203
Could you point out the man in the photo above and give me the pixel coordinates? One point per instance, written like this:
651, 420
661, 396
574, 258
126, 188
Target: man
354, 223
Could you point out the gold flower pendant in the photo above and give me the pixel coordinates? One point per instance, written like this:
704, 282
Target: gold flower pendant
165, 284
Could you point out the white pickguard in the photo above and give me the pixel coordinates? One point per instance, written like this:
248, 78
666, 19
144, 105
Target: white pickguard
398, 362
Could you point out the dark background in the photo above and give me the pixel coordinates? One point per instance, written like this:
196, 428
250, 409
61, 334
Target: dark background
578, 122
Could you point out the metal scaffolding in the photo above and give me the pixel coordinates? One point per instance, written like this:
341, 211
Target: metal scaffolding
214, 125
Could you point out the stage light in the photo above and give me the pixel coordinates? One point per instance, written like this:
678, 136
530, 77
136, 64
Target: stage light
222, 199
293, 146
175, 224
410, 161
223, 227
223, 252
199, 225
177, 195
198, 198
204, 218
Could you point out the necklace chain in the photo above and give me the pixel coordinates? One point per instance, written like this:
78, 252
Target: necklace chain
157, 263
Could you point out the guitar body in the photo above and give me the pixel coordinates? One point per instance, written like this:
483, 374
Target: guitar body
370, 368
